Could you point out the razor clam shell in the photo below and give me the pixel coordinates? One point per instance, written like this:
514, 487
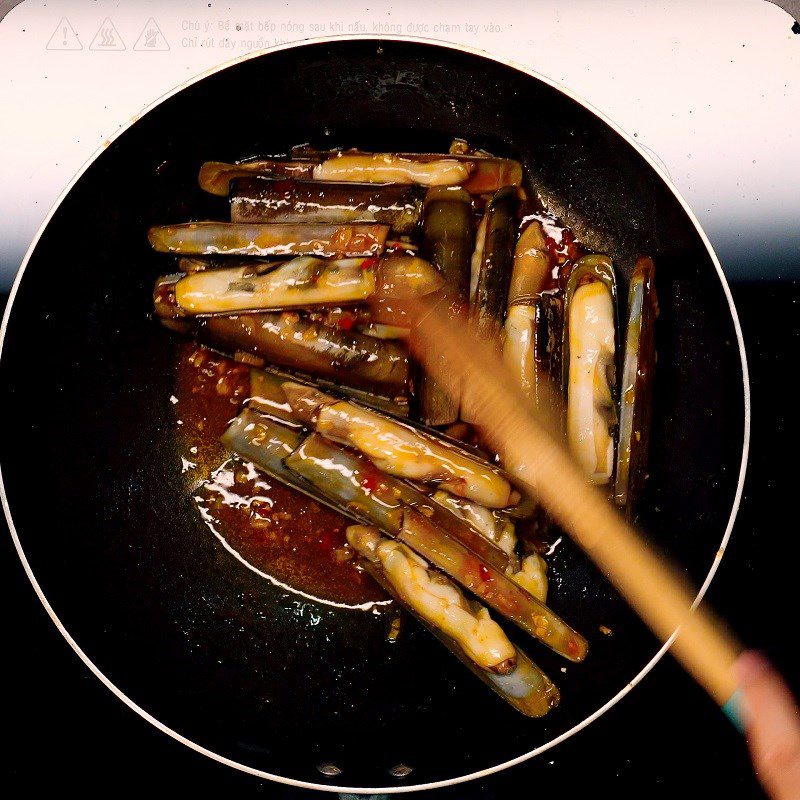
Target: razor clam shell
636, 386
266, 442
250, 239
497, 261
285, 339
190, 264
488, 305
259, 199
448, 233
267, 395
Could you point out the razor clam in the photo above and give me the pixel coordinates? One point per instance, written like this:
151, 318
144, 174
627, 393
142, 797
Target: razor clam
261, 440
496, 589
267, 395
526, 345
525, 687
478, 173
496, 254
305, 281
251, 239
436, 599
531, 265
588, 369
494, 525
286, 339
393, 168
257, 438
487, 172
215, 176
637, 385
449, 240
497, 260
289, 201
222, 336
365, 493
399, 449
519, 348
363, 398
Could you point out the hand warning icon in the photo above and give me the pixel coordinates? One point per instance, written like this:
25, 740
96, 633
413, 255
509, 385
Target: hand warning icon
151, 38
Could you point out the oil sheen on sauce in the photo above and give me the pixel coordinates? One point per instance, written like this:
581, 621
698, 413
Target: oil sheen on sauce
276, 531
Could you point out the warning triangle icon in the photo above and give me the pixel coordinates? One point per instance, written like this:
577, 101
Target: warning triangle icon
64, 37
107, 37
151, 38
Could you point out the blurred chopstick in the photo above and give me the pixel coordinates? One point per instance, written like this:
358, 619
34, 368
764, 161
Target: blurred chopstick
541, 463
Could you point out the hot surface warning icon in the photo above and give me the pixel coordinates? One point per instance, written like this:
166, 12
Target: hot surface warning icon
107, 37
151, 38
64, 37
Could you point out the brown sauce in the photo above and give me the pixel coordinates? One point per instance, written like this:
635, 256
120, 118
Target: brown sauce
275, 530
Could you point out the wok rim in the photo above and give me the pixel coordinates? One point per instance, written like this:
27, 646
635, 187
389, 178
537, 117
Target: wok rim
654, 165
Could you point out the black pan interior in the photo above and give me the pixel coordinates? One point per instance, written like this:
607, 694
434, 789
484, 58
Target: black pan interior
92, 472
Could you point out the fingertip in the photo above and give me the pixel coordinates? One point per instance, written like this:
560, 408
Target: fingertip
750, 667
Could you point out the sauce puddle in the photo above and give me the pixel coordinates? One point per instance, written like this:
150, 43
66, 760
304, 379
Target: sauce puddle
284, 537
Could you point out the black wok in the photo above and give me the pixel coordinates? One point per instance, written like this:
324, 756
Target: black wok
103, 519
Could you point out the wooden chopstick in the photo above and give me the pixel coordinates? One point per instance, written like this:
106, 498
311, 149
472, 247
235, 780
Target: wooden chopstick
542, 465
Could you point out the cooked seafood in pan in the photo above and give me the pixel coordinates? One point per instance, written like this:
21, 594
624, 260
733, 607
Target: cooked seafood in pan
260, 199
464, 626
305, 281
589, 365
309, 294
